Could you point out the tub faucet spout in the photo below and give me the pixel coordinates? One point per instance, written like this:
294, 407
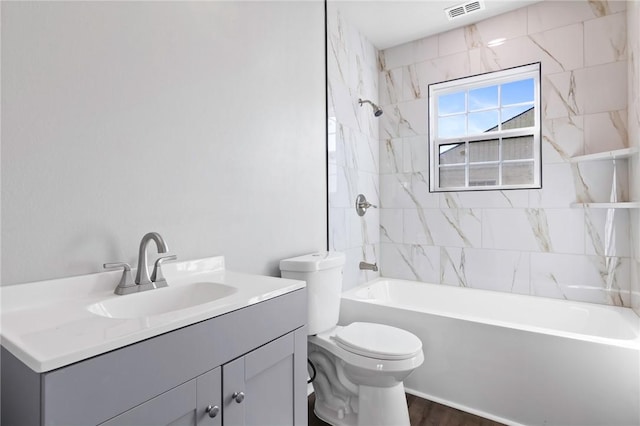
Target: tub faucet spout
369, 266
142, 274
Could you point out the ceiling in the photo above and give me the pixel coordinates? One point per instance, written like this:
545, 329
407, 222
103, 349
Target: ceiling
388, 23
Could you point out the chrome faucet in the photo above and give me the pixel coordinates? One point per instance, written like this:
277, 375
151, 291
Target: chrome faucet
142, 282
368, 266
142, 275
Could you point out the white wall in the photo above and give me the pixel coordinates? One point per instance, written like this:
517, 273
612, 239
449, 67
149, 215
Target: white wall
204, 121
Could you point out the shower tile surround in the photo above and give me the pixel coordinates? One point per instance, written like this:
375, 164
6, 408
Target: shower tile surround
352, 146
521, 241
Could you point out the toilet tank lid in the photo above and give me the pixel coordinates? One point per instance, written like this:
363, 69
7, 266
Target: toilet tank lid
313, 262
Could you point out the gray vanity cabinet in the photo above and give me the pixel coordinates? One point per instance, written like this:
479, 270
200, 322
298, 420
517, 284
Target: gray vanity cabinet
172, 378
256, 390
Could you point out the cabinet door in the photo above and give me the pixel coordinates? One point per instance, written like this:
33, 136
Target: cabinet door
209, 394
265, 377
176, 407
185, 405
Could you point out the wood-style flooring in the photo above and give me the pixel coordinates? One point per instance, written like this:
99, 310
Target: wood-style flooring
425, 413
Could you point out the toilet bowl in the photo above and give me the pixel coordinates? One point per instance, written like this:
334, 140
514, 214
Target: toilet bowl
358, 369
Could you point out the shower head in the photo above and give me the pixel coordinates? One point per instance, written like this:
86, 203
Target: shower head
377, 111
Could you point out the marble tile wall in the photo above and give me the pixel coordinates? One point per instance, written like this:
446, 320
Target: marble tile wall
352, 145
521, 241
633, 31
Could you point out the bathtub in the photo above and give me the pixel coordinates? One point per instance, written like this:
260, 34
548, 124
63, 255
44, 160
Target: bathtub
519, 360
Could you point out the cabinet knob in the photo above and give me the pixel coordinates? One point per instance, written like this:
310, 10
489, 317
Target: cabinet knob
238, 397
213, 410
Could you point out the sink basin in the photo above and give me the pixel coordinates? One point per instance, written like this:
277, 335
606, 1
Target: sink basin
161, 301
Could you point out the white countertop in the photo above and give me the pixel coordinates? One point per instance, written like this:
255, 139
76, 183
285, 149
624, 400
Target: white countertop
47, 324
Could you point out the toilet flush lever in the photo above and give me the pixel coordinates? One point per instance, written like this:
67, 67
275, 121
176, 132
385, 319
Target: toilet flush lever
362, 205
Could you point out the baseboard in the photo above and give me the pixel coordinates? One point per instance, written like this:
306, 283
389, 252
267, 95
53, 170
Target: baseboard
463, 408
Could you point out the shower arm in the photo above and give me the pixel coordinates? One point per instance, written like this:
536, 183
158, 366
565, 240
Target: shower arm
377, 111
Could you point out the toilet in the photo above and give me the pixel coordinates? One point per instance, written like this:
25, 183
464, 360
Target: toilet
357, 369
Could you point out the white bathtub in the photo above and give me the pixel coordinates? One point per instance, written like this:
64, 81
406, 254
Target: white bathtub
519, 360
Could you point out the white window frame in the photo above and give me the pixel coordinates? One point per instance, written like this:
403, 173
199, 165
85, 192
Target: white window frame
474, 82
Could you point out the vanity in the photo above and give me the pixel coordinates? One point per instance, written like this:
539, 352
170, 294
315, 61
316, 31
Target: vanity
214, 347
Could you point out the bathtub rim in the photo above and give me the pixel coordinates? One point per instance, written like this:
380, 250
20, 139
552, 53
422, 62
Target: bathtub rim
628, 314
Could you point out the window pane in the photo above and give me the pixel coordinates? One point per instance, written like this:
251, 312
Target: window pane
517, 148
453, 153
452, 127
485, 131
517, 92
451, 104
483, 98
485, 175
481, 122
484, 151
451, 177
518, 117
517, 174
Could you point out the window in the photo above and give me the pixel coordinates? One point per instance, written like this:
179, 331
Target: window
484, 131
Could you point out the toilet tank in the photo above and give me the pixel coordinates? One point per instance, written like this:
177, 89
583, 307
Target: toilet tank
323, 274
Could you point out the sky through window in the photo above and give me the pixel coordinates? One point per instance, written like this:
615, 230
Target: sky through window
482, 109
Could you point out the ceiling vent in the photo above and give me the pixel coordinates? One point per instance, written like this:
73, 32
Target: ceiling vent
464, 9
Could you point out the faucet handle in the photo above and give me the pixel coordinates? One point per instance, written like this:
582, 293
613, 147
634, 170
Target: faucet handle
362, 205
126, 280
157, 276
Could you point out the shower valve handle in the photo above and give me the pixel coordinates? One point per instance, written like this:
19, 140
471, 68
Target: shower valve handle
362, 205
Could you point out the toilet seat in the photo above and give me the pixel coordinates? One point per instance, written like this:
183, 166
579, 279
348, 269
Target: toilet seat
375, 365
377, 341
